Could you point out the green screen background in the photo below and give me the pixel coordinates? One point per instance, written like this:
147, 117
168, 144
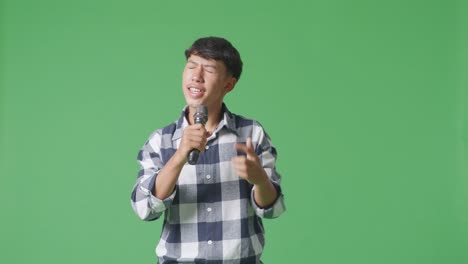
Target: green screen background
366, 102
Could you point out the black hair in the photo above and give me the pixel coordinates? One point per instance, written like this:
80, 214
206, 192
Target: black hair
219, 49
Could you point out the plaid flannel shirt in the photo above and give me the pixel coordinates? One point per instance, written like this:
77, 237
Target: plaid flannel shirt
211, 216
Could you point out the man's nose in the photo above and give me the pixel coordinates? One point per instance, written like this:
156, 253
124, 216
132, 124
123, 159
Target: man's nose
197, 75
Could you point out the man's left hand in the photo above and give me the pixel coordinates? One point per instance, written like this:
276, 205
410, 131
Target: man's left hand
249, 167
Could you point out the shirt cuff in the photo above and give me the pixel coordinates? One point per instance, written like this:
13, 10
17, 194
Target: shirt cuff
273, 211
155, 204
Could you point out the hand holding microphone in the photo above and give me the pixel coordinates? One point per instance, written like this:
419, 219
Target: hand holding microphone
200, 117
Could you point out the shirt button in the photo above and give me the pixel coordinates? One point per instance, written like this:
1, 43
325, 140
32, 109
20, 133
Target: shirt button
208, 176
207, 147
210, 242
208, 209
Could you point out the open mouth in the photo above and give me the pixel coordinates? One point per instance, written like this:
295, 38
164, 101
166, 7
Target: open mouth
196, 92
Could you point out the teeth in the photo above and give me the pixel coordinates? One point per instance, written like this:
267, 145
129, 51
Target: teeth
193, 89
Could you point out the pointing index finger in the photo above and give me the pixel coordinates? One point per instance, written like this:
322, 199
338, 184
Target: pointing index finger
250, 145
246, 148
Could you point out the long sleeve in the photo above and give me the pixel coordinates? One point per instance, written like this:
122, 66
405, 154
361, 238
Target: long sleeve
267, 154
147, 206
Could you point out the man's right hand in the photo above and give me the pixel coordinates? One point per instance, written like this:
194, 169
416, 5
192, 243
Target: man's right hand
194, 137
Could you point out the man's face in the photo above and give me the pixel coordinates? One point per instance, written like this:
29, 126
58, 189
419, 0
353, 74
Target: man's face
205, 81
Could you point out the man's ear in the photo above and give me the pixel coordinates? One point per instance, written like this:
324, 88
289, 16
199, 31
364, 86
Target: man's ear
230, 85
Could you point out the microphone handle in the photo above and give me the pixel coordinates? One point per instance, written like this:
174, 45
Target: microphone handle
193, 156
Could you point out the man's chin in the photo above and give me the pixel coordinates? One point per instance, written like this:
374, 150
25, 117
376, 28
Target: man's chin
194, 103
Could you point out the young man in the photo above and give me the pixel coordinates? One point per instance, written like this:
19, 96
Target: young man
213, 209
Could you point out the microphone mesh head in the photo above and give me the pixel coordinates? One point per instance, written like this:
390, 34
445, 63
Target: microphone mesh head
202, 109
201, 115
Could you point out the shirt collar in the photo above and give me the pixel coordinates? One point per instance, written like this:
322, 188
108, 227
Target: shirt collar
227, 121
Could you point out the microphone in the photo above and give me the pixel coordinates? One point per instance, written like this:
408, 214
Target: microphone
200, 117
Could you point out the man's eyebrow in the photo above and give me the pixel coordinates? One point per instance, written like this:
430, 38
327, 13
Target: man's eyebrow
204, 65
191, 61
